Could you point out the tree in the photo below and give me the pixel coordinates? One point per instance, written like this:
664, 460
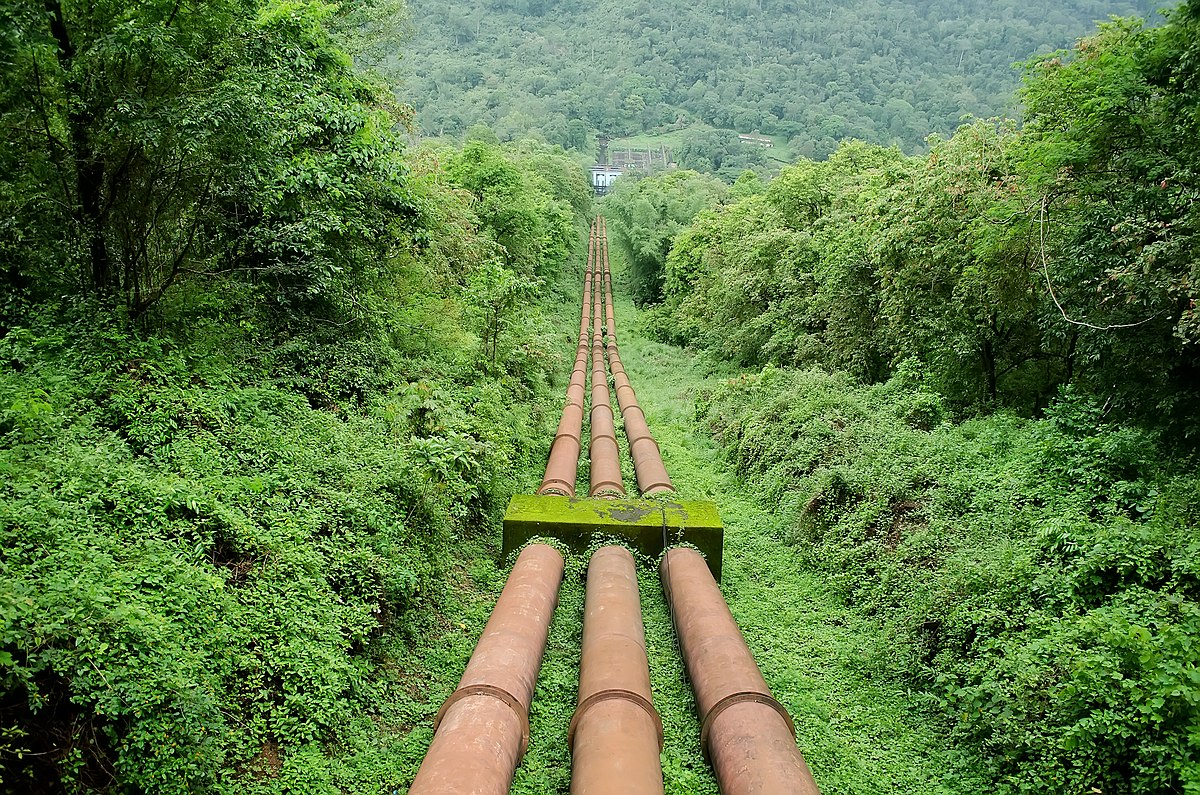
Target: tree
648, 213
1112, 162
174, 140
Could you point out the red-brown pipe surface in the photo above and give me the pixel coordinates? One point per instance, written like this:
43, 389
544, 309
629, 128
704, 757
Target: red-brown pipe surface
746, 733
482, 730
606, 480
648, 466
562, 465
616, 735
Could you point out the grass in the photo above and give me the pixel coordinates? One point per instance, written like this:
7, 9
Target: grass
859, 731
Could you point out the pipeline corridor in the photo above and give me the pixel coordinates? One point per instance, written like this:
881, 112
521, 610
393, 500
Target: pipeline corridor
615, 736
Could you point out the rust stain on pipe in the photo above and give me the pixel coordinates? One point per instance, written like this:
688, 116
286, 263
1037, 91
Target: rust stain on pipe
616, 734
482, 730
745, 732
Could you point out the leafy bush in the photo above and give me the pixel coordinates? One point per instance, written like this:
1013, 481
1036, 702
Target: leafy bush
1038, 579
1012, 259
212, 533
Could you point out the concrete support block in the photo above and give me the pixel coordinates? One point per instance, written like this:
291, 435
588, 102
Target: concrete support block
643, 524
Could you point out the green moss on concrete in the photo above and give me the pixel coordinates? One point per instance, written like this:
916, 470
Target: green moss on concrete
648, 525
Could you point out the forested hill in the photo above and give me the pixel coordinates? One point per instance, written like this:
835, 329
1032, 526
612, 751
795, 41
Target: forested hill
886, 71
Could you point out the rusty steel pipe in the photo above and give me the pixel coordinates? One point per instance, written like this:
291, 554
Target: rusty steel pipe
746, 734
482, 730
562, 465
606, 480
648, 466
602, 262
584, 324
616, 735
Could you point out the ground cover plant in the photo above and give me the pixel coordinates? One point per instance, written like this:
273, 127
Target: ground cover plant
1036, 580
270, 370
977, 415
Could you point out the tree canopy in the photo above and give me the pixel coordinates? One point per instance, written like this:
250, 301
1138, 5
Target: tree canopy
886, 72
1010, 260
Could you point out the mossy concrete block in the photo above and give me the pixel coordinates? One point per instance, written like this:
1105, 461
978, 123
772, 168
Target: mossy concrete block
644, 524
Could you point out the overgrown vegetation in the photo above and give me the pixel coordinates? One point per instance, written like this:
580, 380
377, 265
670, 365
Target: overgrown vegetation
1036, 580
990, 451
1011, 260
647, 215
268, 374
261, 369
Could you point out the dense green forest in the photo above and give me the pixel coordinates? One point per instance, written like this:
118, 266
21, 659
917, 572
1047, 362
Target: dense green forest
270, 370
1009, 261
886, 72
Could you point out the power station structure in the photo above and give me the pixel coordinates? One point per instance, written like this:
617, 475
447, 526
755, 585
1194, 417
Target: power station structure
613, 162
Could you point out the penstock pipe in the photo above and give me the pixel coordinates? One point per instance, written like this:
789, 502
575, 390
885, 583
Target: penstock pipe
606, 478
648, 466
562, 466
746, 734
482, 730
616, 735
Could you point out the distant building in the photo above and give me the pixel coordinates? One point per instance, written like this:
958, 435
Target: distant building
757, 140
603, 176
644, 160
625, 160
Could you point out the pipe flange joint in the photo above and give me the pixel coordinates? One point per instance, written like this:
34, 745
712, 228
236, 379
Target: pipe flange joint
614, 694
498, 693
746, 696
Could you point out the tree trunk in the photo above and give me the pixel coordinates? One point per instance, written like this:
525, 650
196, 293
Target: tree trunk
1070, 356
89, 169
988, 356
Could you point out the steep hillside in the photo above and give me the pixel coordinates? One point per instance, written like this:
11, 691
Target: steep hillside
882, 70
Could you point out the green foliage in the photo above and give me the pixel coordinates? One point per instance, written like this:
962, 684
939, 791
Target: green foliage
529, 200
646, 216
203, 557
231, 479
190, 574
1008, 261
863, 730
718, 152
810, 75
1112, 159
1035, 579
170, 142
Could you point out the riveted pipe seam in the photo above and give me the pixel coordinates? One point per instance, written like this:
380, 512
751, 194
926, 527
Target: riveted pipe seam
750, 739
482, 728
615, 737
491, 691
614, 694
744, 697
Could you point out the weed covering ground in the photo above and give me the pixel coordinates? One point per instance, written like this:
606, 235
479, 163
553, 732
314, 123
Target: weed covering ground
271, 597
1035, 581
208, 548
